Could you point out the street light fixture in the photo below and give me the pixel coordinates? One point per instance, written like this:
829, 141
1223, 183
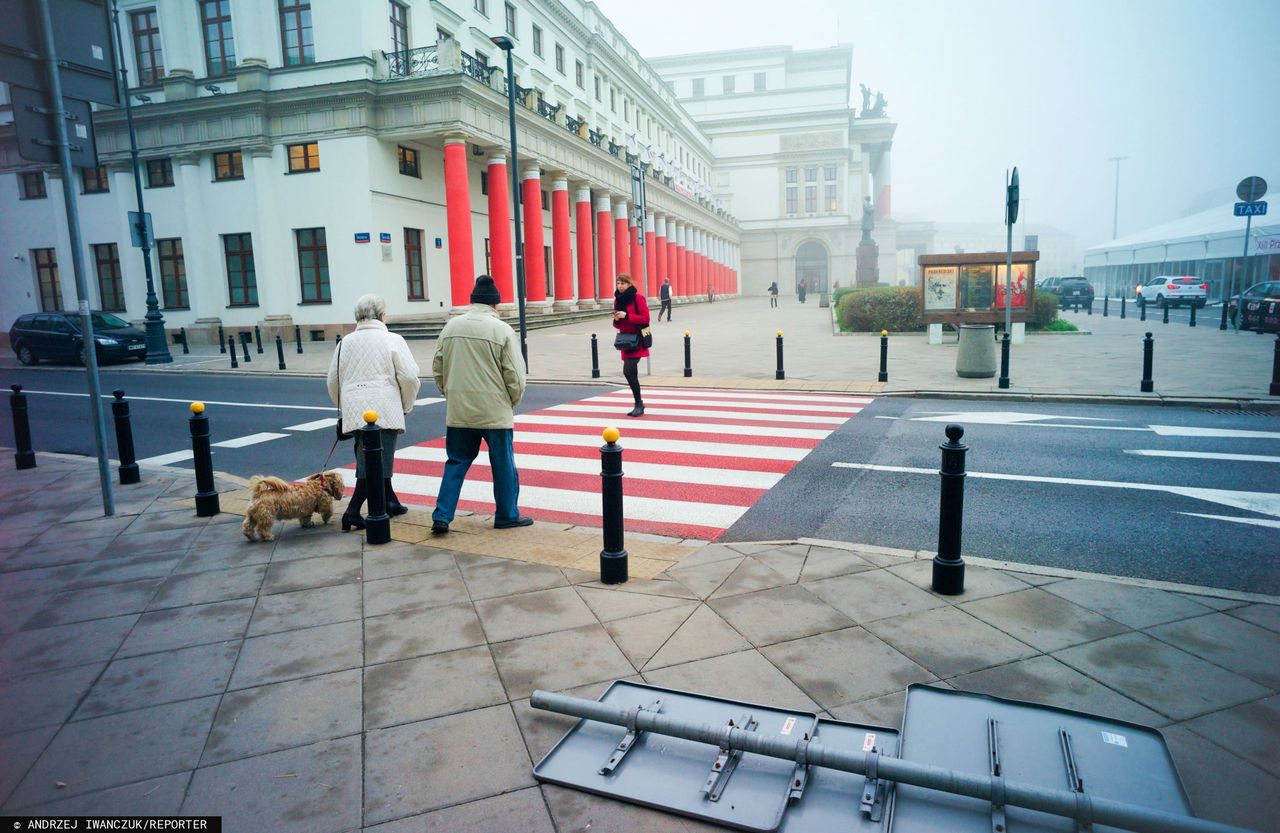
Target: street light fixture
507, 45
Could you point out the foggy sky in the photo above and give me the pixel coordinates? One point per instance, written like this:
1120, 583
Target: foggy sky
1189, 90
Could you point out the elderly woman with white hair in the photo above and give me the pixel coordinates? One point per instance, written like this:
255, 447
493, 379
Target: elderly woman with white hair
373, 370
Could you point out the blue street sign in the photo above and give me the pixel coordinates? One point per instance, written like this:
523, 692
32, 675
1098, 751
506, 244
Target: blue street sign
362, 237
1251, 209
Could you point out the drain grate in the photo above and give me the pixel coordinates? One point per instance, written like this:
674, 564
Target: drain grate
1256, 413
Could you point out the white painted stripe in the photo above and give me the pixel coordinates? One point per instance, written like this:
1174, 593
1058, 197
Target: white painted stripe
430, 400
166, 459
603, 422
661, 410
1253, 521
1203, 455
249, 439
704, 393
1192, 431
189, 401
735, 450
781, 407
587, 503
315, 425
643, 471
1265, 503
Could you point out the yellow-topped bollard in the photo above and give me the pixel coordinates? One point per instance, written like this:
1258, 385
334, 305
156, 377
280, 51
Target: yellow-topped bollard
688, 356
202, 460
686, 333
884, 333
370, 417
884, 356
613, 558
779, 333
197, 407
611, 435
780, 373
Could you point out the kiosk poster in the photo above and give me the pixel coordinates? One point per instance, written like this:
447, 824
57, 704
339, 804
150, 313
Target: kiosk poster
1019, 288
940, 288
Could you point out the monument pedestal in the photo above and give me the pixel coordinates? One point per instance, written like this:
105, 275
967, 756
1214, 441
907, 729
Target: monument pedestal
868, 267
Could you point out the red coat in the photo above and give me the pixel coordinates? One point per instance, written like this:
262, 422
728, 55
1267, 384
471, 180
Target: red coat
636, 320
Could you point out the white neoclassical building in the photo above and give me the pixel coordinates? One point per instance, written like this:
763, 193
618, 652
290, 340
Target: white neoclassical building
298, 154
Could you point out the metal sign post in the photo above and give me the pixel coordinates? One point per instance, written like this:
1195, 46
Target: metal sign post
1250, 190
1010, 217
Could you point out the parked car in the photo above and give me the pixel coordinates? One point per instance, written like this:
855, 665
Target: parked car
1174, 292
56, 336
1261, 307
1073, 292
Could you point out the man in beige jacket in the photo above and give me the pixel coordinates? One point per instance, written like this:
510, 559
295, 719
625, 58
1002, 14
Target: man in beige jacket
480, 373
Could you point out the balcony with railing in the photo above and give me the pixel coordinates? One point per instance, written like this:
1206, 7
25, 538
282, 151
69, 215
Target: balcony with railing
476, 69
546, 110
425, 60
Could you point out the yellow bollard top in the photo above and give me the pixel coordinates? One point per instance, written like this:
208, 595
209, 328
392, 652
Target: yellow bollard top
686, 333
611, 435
884, 333
197, 407
779, 333
370, 417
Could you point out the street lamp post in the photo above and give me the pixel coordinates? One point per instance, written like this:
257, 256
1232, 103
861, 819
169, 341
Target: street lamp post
506, 45
157, 348
1115, 214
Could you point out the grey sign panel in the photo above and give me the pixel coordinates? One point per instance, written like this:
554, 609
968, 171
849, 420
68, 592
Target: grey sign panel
835, 800
37, 132
1251, 188
677, 775
81, 36
1033, 744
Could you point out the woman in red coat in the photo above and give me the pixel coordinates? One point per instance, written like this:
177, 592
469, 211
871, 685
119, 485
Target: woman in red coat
631, 315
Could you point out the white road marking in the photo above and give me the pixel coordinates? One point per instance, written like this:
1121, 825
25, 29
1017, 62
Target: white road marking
607, 409
430, 400
1265, 503
315, 425
1191, 431
1254, 521
765, 452
701, 393
1203, 455
248, 439
166, 459
189, 401
996, 417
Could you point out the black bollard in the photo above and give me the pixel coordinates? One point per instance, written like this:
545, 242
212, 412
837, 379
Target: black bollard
688, 356
780, 374
1142, 308
948, 566
244, 345
231, 342
1193, 313
613, 558
185, 348
1122, 306
280, 351
1275, 370
25, 458
1091, 306
222, 339
595, 357
1106, 299
257, 336
1166, 313
297, 336
1148, 347
337, 338
1003, 382
206, 496
378, 523
124, 440
884, 356
1222, 325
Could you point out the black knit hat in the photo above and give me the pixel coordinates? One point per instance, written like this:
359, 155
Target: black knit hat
485, 292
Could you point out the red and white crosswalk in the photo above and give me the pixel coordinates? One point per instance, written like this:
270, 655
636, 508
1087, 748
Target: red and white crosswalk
693, 464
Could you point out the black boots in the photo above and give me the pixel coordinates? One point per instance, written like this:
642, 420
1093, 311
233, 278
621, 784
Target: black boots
394, 506
637, 411
351, 519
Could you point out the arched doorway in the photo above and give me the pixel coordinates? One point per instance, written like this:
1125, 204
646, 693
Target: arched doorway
811, 267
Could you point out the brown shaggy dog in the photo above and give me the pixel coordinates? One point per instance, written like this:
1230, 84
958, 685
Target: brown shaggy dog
275, 500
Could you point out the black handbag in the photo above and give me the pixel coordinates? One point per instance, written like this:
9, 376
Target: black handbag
341, 435
626, 341
646, 338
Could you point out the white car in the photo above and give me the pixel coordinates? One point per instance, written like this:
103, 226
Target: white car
1174, 291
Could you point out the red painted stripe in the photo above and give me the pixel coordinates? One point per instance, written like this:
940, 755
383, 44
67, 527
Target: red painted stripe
635, 429
708, 419
706, 461
632, 486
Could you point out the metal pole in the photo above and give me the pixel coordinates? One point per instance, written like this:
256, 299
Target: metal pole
1244, 265
280, 351
1148, 348
124, 440
186, 348
1115, 215
1166, 313
1123, 306
688, 354
244, 345
231, 343
884, 356
613, 558
1193, 313
257, 337
297, 337
157, 348
780, 373
1142, 308
378, 523
595, 358
222, 338
516, 204
206, 495
1003, 381
1106, 304
1275, 368
948, 566
1095, 810
25, 458
77, 257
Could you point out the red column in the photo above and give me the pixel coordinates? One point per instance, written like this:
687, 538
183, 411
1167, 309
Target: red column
535, 262
586, 253
622, 251
561, 252
682, 262
500, 258
604, 250
651, 256
457, 201
660, 246
670, 271
637, 260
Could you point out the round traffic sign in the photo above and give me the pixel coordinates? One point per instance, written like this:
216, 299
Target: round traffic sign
1251, 188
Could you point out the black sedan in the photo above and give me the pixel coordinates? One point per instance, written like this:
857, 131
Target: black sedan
57, 336
1261, 307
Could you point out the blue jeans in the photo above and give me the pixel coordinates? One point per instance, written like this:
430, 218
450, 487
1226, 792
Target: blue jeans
461, 446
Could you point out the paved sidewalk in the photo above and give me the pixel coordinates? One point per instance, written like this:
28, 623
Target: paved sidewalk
157, 663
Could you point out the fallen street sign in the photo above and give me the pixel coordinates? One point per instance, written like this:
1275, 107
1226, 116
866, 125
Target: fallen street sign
1251, 209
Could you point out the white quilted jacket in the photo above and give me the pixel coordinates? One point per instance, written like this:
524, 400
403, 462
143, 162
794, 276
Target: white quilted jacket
377, 372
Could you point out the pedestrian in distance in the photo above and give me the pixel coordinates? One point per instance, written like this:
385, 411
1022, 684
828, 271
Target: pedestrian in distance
372, 370
631, 319
773, 294
479, 370
801, 289
664, 295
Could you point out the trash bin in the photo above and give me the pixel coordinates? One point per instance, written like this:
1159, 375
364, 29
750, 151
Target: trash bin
976, 358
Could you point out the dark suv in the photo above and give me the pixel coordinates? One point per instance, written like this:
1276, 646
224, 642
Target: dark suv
1074, 292
56, 335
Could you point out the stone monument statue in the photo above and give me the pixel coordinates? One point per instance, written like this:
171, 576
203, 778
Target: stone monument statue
867, 255
877, 111
868, 220
866, 98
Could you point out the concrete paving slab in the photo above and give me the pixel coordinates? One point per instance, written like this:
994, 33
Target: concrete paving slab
312, 789
392, 560
1165, 678
703, 634
43, 699
38, 581
178, 627
523, 810
641, 636
720, 552
529, 614
413, 592
20, 751
163, 540
153, 679
1207, 769
1263, 615
211, 586
787, 562
872, 595
205, 557
305, 573
62, 646
845, 666
117, 749
746, 676
424, 766
658, 586
979, 582
1243, 647
416, 689
1041, 619
560, 660
124, 569
421, 632
1137, 607
749, 576
885, 710
16, 612
488, 578
302, 653
172, 517
610, 605
779, 614
306, 608
970, 643
254, 721
705, 579
296, 542
95, 603
1250, 730
56, 551
579, 811
153, 797
81, 530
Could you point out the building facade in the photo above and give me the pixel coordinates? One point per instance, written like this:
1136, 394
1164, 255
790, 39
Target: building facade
297, 155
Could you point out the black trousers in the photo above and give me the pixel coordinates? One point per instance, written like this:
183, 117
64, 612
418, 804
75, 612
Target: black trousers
631, 372
666, 307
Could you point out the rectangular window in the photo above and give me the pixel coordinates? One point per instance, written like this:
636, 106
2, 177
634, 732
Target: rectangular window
559, 59
219, 40
242, 283
613, 99
509, 12
793, 176
811, 199
304, 158
546, 201
829, 173
626, 109
537, 41
173, 273
791, 200
830, 197
228, 164
698, 87
297, 41
313, 265
408, 161
579, 74
484, 182
31, 185
399, 26
487, 269
759, 82
46, 261
94, 180
413, 274
729, 83
110, 285
810, 174
442, 35
598, 98
159, 173
482, 6
145, 27
482, 59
